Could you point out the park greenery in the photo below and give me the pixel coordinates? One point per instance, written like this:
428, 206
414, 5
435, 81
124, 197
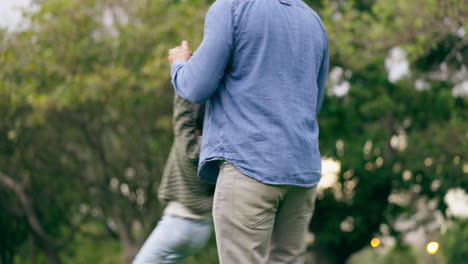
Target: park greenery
85, 126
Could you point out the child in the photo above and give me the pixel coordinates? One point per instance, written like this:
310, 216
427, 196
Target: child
186, 223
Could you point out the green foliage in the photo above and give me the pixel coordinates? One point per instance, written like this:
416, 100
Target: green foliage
400, 254
380, 129
453, 242
208, 255
85, 110
85, 122
88, 250
365, 256
13, 229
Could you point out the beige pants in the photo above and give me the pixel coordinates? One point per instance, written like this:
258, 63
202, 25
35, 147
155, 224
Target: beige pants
257, 223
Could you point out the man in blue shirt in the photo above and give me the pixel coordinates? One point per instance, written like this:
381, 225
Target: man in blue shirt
261, 69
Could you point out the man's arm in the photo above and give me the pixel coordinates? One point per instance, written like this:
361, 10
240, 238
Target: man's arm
321, 80
185, 129
197, 78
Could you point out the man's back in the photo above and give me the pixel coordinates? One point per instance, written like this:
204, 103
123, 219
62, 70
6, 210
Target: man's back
261, 67
262, 115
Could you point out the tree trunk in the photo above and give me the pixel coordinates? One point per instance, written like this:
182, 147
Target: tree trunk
129, 251
45, 242
32, 249
127, 241
51, 251
53, 258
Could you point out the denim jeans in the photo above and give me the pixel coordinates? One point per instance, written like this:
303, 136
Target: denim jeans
173, 240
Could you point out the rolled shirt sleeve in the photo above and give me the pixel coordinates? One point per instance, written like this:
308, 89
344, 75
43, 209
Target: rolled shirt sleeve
198, 78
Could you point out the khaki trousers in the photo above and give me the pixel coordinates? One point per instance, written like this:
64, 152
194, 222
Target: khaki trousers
257, 223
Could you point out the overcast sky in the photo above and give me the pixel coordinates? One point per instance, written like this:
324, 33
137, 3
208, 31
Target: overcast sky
10, 15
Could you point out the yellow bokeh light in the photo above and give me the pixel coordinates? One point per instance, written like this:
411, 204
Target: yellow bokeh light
375, 242
432, 247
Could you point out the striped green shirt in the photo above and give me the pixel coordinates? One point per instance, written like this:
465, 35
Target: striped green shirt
180, 182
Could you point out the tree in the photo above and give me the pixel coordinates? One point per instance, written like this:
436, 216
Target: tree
85, 119
386, 131
453, 244
85, 103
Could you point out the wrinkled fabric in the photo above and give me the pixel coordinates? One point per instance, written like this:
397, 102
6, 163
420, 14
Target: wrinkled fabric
261, 69
174, 239
179, 181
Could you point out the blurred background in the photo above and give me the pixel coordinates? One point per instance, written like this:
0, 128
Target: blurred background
85, 129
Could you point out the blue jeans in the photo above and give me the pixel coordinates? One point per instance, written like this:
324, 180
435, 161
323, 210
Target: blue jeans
173, 240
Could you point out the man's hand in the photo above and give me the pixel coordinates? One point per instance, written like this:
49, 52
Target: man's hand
180, 53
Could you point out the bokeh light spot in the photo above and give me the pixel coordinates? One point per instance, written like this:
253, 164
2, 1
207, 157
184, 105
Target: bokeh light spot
432, 247
375, 242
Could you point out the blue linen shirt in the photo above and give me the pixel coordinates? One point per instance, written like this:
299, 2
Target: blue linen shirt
261, 68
